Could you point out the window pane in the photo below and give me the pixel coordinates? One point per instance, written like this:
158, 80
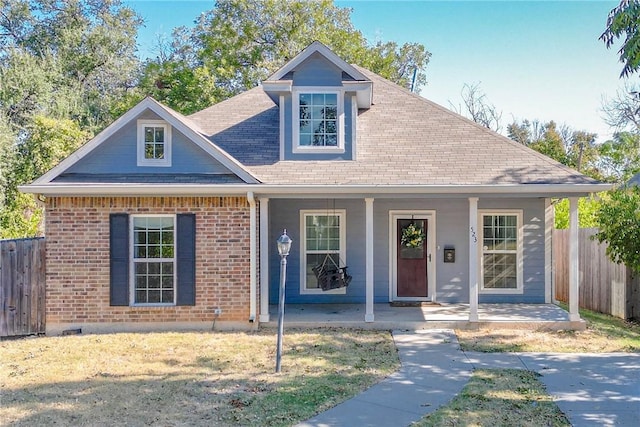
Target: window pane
318, 120
500, 271
159, 135
154, 237
159, 151
148, 134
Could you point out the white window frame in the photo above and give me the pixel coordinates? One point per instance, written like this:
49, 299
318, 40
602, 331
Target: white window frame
295, 95
132, 262
142, 161
519, 289
342, 215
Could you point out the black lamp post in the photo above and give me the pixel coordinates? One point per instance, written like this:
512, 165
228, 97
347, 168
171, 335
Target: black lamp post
284, 245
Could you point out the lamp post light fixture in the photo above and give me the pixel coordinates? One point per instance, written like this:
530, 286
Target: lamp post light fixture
284, 245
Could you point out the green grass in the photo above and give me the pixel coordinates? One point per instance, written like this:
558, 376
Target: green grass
604, 334
499, 397
187, 379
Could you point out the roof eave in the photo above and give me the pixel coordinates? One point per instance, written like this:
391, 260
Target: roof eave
128, 189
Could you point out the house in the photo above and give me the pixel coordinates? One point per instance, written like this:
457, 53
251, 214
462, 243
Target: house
167, 218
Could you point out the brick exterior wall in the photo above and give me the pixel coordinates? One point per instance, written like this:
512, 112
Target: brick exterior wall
77, 232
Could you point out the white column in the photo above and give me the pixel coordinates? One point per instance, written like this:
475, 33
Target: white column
253, 257
369, 317
574, 268
264, 260
473, 259
548, 249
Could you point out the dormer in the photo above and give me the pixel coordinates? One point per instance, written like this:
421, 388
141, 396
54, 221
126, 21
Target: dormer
319, 96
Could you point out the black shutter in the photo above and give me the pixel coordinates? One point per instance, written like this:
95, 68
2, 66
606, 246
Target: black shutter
119, 259
186, 258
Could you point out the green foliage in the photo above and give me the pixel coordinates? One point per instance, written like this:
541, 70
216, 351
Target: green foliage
587, 212
239, 43
619, 222
66, 67
624, 22
620, 156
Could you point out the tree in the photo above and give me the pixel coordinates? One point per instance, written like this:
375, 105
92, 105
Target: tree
619, 219
478, 108
620, 156
65, 66
239, 43
624, 21
587, 212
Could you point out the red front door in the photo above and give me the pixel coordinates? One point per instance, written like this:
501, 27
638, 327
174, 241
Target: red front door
411, 261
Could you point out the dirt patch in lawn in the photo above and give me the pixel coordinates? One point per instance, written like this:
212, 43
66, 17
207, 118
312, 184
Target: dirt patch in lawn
604, 334
499, 397
187, 379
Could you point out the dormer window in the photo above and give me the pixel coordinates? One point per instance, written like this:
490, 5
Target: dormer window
318, 124
154, 143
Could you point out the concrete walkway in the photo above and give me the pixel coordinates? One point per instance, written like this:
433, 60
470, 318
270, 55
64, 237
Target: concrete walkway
592, 390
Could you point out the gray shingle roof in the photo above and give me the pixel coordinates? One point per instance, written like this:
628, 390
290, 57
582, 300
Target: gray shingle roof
403, 139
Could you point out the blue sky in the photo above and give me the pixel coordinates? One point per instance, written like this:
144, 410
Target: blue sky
534, 60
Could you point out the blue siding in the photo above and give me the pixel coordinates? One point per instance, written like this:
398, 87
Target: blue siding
118, 155
451, 231
317, 71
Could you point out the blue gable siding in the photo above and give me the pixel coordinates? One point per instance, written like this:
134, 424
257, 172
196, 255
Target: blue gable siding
118, 155
317, 71
451, 231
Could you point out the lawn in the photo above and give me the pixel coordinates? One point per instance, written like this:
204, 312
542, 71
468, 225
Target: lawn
499, 397
604, 334
187, 379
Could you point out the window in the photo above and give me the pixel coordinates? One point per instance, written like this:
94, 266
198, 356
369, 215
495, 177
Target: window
154, 143
153, 260
322, 234
318, 121
501, 260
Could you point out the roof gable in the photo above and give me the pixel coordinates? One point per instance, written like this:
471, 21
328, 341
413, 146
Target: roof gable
192, 134
318, 48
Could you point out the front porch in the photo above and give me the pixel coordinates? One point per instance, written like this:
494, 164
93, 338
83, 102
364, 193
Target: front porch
444, 316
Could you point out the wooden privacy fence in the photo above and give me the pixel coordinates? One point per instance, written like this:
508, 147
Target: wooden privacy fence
605, 287
22, 287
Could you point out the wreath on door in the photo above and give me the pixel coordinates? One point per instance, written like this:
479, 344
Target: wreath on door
412, 236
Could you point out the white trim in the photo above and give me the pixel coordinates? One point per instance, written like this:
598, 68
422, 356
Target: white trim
369, 284
132, 275
295, 115
314, 47
548, 250
430, 216
253, 258
264, 260
287, 190
474, 253
282, 127
174, 119
342, 214
354, 127
574, 260
519, 251
140, 143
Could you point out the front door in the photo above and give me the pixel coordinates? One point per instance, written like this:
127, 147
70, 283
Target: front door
411, 258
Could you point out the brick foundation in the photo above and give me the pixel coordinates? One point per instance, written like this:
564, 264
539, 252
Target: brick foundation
77, 232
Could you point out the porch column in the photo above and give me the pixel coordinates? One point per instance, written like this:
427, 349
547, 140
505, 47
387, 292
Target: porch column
548, 250
473, 259
574, 270
264, 260
368, 317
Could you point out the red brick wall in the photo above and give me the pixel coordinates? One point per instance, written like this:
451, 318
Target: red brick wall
77, 232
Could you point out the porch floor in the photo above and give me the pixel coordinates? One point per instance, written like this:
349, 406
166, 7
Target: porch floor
445, 316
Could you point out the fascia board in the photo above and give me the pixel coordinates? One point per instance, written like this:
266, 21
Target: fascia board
516, 190
166, 114
209, 147
314, 47
95, 142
